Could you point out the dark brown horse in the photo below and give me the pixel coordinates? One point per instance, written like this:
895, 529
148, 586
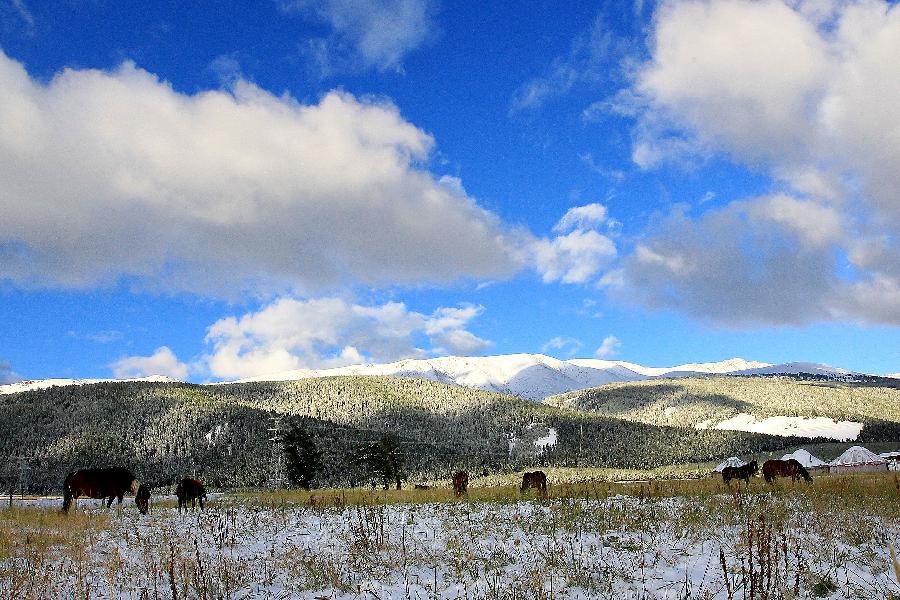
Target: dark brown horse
190, 490
460, 483
110, 483
535, 480
744, 472
785, 468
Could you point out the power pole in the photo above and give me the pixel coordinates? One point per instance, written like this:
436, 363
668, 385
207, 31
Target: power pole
276, 458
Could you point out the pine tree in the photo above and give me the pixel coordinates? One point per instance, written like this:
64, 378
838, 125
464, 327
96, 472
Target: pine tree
304, 460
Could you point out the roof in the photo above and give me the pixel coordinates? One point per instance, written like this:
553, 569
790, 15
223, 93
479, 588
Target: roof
733, 461
857, 455
806, 459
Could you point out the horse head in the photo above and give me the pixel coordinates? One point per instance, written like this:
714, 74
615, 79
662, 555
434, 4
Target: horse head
142, 498
754, 467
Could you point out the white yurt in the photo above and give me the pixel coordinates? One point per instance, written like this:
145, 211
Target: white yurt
734, 461
893, 459
806, 459
857, 459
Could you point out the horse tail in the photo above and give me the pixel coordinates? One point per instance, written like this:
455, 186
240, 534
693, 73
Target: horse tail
67, 492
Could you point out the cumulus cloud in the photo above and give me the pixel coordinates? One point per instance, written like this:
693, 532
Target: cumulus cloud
609, 347
7, 375
111, 174
161, 362
805, 91
580, 254
369, 33
751, 262
331, 332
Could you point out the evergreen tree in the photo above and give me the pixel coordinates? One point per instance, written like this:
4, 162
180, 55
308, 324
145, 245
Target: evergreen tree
383, 458
304, 460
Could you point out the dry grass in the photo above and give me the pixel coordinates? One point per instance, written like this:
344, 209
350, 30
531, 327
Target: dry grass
609, 540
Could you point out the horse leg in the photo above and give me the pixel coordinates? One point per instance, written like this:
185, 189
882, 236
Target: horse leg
110, 501
200, 499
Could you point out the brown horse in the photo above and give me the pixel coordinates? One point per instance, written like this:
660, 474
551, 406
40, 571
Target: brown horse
190, 490
536, 480
785, 468
460, 483
110, 483
744, 472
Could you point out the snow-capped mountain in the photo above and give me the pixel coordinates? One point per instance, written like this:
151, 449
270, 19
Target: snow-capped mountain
536, 376
40, 384
532, 376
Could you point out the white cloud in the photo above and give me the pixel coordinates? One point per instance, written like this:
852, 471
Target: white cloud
161, 362
581, 217
807, 92
329, 332
577, 256
565, 345
374, 33
609, 347
587, 61
7, 375
752, 262
106, 175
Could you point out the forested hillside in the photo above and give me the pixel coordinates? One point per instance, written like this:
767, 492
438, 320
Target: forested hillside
686, 402
221, 432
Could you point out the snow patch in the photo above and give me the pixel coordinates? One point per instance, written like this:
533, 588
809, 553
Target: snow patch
547, 440
824, 427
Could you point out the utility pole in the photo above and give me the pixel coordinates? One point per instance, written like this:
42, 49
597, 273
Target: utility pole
276, 458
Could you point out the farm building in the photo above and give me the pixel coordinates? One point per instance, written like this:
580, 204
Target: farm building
734, 461
858, 460
807, 460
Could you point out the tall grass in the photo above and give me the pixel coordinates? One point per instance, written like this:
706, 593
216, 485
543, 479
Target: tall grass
675, 539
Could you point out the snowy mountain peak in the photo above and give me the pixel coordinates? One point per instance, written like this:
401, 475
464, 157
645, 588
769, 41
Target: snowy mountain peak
537, 376
40, 384
532, 376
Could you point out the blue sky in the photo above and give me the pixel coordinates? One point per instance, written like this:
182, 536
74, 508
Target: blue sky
219, 191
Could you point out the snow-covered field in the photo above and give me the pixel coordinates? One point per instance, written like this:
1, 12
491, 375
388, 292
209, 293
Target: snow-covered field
616, 547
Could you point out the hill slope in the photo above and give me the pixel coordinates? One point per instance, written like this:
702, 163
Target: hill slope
775, 405
166, 430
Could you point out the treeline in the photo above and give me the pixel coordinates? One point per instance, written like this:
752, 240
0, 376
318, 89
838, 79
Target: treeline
222, 433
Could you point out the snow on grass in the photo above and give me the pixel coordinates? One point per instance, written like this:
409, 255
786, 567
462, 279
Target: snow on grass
791, 426
616, 547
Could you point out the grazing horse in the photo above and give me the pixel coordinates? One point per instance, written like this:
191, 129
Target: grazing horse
744, 472
460, 483
536, 480
190, 490
785, 468
110, 483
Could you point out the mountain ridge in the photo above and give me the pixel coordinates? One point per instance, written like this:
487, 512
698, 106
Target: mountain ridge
531, 376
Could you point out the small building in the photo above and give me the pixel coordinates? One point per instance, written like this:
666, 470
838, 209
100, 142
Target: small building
893, 459
734, 461
810, 462
858, 460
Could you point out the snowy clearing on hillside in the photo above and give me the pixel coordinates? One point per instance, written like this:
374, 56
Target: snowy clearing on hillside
824, 427
619, 547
